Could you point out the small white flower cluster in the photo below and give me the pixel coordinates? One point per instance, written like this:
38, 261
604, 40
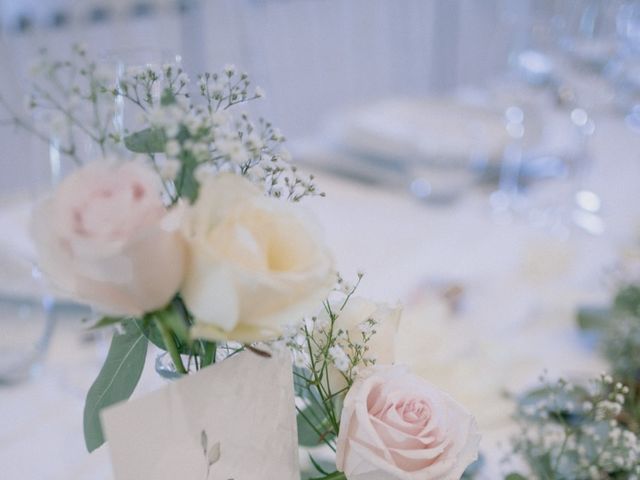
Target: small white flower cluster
339, 358
320, 342
210, 138
68, 100
146, 85
197, 140
188, 131
223, 90
579, 431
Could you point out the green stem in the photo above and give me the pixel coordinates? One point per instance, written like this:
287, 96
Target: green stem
209, 355
333, 476
171, 346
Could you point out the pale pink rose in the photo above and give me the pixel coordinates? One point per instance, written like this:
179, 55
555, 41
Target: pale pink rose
105, 238
396, 426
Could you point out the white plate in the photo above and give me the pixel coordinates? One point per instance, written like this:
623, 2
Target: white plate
423, 130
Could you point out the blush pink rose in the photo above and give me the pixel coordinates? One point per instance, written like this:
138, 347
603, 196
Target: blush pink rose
396, 426
105, 238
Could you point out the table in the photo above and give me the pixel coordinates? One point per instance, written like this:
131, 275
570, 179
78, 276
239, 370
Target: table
522, 285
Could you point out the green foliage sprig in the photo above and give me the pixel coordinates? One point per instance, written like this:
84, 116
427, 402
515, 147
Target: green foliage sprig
576, 432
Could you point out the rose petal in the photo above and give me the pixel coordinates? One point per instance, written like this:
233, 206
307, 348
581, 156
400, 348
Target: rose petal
396, 426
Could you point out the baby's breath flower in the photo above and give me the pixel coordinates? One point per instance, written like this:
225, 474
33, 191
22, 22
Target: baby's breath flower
172, 148
203, 172
169, 169
340, 358
579, 428
183, 78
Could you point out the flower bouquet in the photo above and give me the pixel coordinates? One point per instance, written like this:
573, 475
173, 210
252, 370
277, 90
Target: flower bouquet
591, 429
186, 232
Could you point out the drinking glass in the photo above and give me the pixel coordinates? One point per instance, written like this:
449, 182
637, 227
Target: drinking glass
26, 327
121, 63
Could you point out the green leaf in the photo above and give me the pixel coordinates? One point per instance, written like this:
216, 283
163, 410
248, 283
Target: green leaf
149, 140
167, 98
154, 336
332, 476
150, 330
593, 318
208, 352
186, 184
106, 322
116, 381
628, 300
322, 466
176, 323
313, 435
172, 318
515, 476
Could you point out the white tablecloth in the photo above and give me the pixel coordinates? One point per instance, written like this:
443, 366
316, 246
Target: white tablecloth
521, 286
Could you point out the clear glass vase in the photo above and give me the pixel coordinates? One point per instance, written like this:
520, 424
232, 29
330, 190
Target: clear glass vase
166, 368
26, 327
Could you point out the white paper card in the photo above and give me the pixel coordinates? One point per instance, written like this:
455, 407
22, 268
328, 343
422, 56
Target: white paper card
232, 421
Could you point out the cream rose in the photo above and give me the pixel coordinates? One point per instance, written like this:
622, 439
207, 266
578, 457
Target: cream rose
104, 238
256, 263
354, 319
396, 426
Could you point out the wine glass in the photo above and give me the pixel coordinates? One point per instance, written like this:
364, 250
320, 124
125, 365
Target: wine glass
123, 64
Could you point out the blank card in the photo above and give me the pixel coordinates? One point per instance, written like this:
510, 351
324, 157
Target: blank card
234, 420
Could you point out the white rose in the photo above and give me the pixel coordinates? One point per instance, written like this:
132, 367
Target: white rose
256, 263
104, 238
396, 426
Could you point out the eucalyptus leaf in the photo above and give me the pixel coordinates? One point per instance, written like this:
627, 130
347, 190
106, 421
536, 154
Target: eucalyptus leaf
627, 300
515, 476
117, 379
332, 476
152, 333
149, 140
594, 318
186, 184
300, 385
106, 322
308, 435
322, 465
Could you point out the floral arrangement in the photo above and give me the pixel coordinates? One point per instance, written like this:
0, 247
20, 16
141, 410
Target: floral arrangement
186, 232
577, 431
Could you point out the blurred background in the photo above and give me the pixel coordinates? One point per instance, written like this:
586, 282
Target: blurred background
481, 161
320, 58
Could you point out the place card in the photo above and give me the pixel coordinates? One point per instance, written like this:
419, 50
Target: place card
234, 420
